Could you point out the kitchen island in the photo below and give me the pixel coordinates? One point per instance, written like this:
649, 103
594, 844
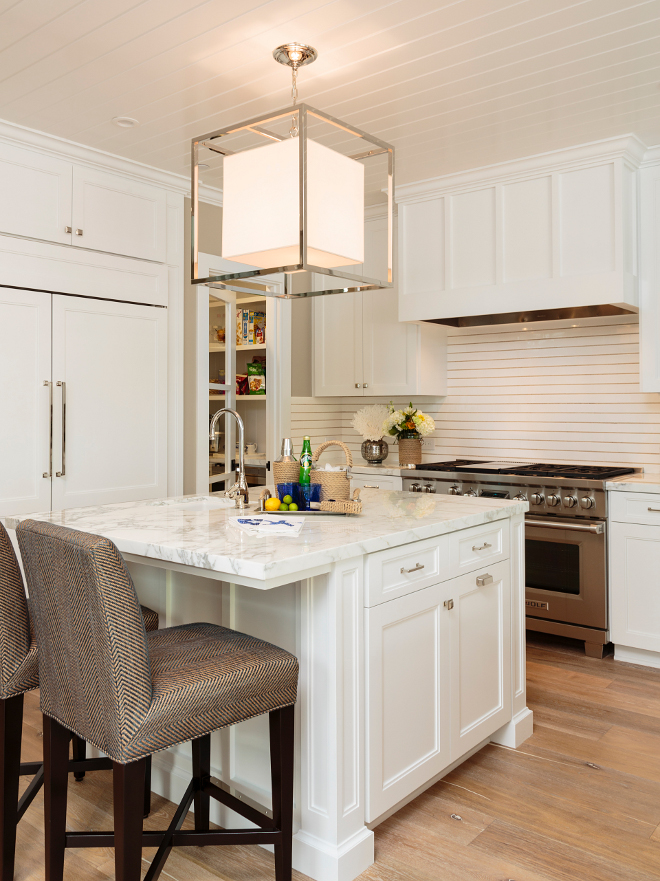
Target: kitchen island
408, 621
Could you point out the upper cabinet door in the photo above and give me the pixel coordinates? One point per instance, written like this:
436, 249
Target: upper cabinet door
338, 345
110, 402
119, 215
36, 195
24, 401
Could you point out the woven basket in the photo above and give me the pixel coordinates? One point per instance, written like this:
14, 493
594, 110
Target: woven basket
410, 451
335, 485
286, 472
345, 506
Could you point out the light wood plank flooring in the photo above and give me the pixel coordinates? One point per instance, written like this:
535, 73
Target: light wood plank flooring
579, 801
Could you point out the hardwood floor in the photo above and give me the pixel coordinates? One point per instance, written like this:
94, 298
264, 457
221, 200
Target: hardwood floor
579, 801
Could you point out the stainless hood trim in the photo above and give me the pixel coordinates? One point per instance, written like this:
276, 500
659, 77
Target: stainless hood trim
534, 315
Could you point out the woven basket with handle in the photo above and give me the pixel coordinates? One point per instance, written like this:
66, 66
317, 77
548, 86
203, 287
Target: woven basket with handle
344, 506
334, 484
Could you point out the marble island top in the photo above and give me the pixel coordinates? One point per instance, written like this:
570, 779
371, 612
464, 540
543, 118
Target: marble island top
201, 533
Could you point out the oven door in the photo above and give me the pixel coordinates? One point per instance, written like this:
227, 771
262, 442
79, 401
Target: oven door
565, 571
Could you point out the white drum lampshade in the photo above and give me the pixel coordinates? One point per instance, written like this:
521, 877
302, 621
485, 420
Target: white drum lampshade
261, 208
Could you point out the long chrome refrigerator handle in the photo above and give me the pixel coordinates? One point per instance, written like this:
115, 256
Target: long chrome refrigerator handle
49, 473
62, 473
598, 528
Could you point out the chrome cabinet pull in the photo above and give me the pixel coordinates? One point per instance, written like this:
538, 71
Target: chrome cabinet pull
365, 385
49, 473
67, 229
370, 486
448, 604
655, 510
482, 547
62, 473
357, 385
416, 568
79, 232
483, 580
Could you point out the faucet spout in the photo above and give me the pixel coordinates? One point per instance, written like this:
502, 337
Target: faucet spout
238, 492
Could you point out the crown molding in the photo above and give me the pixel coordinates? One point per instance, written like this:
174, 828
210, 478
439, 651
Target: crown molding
629, 147
61, 148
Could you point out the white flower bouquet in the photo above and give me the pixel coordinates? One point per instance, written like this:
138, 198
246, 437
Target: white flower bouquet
408, 423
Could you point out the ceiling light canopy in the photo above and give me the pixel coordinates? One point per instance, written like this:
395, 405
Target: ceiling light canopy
294, 200
125, 121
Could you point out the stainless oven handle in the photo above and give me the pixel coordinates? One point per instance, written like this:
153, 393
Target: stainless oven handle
598, 528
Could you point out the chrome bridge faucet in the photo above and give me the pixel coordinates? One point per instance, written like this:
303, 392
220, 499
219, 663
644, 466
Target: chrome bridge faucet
239, 491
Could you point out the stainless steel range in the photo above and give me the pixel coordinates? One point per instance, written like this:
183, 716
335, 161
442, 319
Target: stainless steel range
565, 535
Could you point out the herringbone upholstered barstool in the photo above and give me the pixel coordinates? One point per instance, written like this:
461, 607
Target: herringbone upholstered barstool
132, 694
19, 672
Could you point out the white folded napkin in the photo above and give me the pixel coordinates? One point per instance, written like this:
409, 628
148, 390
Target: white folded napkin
274, 524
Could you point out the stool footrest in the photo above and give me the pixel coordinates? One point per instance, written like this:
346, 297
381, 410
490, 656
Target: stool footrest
182, 838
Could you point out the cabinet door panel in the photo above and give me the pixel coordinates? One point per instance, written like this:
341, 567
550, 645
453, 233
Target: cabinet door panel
36, 195
635, 585
481, 656
24, 401
407, 737
110, 420
119, 215
338, 345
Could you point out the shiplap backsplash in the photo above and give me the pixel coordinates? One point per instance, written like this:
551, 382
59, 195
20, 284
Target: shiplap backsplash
556, 392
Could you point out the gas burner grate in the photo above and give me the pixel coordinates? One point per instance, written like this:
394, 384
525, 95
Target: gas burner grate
569, 472
446, 466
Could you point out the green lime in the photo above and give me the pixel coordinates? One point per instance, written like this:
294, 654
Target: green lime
287, 500
284, 506
293, 506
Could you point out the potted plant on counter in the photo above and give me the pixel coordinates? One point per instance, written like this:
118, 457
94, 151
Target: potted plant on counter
368, 422
408, 426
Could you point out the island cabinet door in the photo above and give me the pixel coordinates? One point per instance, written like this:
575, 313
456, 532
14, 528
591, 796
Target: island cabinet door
635, 581
407, 732
480, 656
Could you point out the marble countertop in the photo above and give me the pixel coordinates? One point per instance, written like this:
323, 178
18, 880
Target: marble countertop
200, 532
392, 470
641, 483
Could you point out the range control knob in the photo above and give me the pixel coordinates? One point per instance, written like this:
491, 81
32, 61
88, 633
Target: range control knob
570, 501
416, 488
454, 490
427, 488
588, 502
521, 497
553, 501
536, 498
470, 493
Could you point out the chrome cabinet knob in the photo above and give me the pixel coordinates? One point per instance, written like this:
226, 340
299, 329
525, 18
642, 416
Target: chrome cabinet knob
454, 490
570, 501
536, 498
588, 502
365, 385
521, 497
471, 493
553, 501
79, 232
67, 229
357, 385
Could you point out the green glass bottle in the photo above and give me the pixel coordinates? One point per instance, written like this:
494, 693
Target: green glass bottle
305, 463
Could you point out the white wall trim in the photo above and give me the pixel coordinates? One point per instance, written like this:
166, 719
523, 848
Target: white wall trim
61, 148
629, 147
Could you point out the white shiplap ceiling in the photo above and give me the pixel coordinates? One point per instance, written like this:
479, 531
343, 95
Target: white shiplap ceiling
453, 84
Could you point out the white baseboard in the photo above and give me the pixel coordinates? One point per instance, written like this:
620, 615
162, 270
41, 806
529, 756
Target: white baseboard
644, 657
517, 730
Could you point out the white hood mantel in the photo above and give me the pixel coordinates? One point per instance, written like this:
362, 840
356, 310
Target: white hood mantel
547, 236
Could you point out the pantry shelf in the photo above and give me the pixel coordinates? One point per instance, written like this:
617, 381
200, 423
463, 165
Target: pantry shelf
241, 397
221, 347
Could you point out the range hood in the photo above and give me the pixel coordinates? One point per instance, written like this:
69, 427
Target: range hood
534, 315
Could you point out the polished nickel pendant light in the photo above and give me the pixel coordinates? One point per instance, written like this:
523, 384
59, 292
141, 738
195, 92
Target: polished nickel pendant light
295, 183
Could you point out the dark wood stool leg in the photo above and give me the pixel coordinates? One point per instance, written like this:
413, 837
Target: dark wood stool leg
128, 795
201, 752
281, 772
147, 787
11, 723
56, 776
79, 754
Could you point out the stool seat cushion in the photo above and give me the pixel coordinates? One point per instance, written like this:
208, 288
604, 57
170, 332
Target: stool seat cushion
150, 618
206, 677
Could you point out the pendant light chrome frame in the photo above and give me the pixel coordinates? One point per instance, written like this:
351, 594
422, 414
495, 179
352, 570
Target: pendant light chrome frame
254, 281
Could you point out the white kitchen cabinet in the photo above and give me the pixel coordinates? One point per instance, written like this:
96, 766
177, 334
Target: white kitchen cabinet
50, 199
36, 195
408, 695
369, 480
649, 291
361, 348
545, 232
480, 656
119, 215
104, 438
25, 390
